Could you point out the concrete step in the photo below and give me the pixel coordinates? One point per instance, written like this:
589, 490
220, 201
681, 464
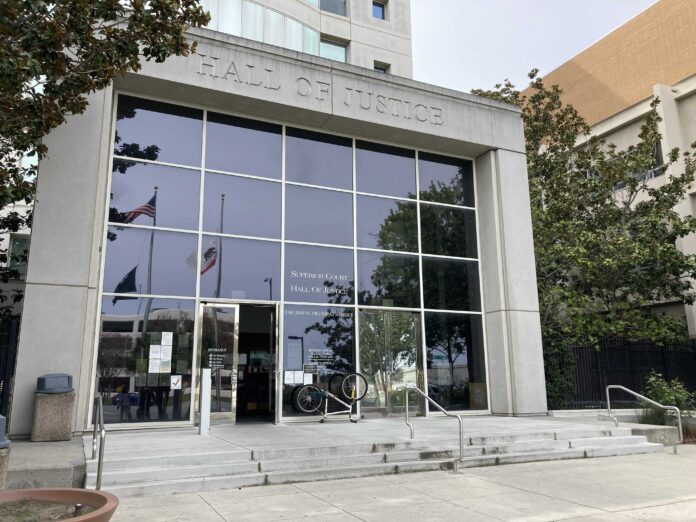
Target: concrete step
526, 445
607, 441
186, 485
138, 475
321, 462
616, 451
592, 432
112, 463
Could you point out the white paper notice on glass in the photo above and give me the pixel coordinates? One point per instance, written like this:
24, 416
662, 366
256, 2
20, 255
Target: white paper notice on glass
165, 366
167, 338
155, 351
308, 378
289, 377
154, 366
298, 377
242, 358
166, 352
175, 382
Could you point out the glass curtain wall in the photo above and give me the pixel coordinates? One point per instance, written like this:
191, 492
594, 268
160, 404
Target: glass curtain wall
371, 249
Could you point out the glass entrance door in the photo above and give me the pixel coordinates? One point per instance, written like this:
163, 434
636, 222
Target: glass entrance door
218, 348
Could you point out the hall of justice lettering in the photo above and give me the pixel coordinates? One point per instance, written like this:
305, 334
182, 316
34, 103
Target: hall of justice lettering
396, 107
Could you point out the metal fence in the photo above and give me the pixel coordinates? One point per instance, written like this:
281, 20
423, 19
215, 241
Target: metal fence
628, 364
9, 337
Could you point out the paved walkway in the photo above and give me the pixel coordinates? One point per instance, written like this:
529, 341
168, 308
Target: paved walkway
660, 487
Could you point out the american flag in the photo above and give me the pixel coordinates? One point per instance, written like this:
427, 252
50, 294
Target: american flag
209, 258
148, 209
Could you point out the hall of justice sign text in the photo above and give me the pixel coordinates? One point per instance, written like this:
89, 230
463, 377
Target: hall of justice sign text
266, 78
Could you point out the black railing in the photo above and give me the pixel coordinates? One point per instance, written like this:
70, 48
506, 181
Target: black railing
590, 369
9, 336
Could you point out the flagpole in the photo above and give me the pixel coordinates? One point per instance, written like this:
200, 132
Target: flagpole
218, 381
148, 306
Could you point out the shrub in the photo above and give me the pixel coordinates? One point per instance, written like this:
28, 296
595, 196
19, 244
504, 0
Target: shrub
668, 393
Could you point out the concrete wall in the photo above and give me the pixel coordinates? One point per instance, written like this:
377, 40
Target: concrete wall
262, 81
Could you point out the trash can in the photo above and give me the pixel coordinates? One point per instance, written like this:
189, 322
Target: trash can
53, 408
4, 453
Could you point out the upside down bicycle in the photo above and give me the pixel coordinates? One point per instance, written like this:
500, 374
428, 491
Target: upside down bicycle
310, 399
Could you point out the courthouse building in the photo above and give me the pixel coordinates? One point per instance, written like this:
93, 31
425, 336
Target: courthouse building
283, 206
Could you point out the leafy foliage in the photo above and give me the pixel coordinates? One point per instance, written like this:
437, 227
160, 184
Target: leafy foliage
667, 393
605, 239
52, 56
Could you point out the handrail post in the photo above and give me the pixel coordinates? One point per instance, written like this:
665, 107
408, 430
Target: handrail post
100, 429
94, 433
410, 426
650, 401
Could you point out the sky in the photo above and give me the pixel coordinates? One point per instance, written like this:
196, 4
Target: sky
468, 44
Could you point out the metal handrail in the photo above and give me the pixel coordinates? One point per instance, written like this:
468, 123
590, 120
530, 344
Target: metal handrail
650, 401
99, 423
448, 414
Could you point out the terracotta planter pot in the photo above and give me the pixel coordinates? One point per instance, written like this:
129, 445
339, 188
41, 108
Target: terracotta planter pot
105, 503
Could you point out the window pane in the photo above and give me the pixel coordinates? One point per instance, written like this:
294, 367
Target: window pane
153, 130
252, 21
293, 34
388, 280
243, 146
251, 206
318, 274
212, 7
451, 284
334, 6
230, 20
448, 231
139, 383
389, 349
128, 262
310, 41
317, 336
388, 224
382, 169
19, 250
249, 269
446, 180
378, 10
332, 50
318, 159
133, 189
318, 216
456, 361
274, 28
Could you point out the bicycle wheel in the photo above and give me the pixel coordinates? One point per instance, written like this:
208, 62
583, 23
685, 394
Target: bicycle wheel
309, 399
335, 383
354, 386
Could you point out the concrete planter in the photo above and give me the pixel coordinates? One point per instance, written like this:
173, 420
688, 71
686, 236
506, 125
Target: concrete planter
105, 503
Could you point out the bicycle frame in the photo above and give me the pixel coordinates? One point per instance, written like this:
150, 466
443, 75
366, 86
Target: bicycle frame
326, 413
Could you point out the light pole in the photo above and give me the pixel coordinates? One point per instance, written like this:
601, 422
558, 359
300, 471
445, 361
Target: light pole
269, 280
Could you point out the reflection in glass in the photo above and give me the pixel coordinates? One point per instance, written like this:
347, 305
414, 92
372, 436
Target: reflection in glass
387, 224
318, 159
456, 361
316, 274
389, 343
243, 146
446, 180
150, 262
251, 206
450, 284
145, 359
152, 130
317, 336
135, 187
388, 280
448, 231
318, 216
382, 169
234, 268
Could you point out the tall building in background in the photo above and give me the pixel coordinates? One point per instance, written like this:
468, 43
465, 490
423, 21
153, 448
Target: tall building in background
613, 82
283, 206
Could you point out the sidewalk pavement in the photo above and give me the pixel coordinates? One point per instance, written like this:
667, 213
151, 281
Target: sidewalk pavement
659, 487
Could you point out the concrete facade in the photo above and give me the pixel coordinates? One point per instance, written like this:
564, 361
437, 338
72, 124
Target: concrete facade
61, 321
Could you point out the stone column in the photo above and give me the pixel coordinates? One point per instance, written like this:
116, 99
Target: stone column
511, 305
58, 318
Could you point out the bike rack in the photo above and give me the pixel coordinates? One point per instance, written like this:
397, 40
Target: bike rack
448, 414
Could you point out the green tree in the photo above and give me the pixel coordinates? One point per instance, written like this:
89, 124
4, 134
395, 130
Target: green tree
53, 55
605, 239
